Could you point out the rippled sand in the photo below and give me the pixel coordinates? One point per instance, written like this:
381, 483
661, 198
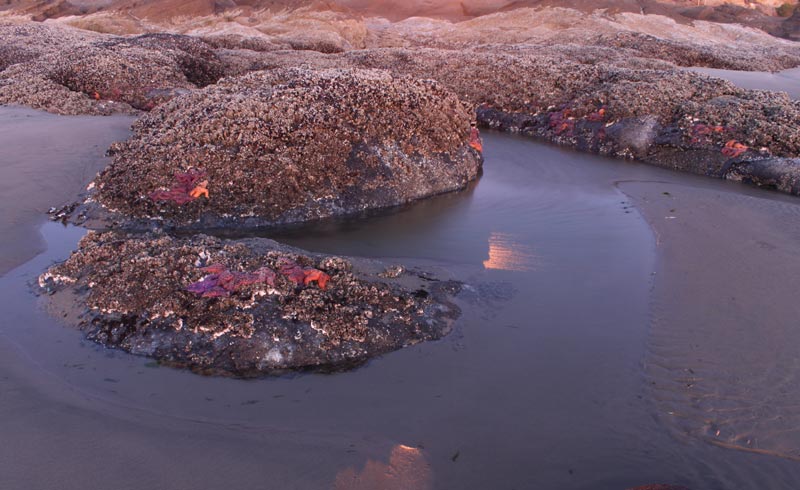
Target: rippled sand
726, 318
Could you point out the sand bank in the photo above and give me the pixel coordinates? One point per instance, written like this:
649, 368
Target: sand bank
722, 350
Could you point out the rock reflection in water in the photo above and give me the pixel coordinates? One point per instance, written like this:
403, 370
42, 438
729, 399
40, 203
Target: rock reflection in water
407, 469
506, 253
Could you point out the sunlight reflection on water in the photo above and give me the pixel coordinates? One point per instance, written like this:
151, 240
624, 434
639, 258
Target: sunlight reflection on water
506, 253
406, 469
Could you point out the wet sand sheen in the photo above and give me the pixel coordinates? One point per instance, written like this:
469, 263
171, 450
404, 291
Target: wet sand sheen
723, 347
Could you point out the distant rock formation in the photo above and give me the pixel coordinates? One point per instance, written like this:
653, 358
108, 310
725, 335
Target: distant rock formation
67, 71
755, 13
791, 26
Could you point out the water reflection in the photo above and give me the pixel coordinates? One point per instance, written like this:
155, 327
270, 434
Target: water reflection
508, 254
406, 470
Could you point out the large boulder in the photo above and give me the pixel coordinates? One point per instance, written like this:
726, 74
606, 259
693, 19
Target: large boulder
243, 307
291, 145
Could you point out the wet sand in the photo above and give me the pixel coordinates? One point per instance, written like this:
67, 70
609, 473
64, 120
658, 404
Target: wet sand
723, 347
47, 160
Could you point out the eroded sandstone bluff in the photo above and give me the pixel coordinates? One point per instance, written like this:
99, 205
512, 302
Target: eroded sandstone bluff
243, 307
291, 145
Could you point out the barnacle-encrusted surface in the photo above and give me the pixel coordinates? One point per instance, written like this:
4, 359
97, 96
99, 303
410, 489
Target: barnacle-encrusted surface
131, 293
633, 108
294, 145
75, 72
521, 91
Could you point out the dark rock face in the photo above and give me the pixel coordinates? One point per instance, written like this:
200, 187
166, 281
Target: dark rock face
141, 294
790, 29
782, 174
293, 145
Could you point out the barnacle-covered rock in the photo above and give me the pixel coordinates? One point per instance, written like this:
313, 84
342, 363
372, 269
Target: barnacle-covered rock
74, 72
294, 145
134, 293
654, 114
588, 105
195, 58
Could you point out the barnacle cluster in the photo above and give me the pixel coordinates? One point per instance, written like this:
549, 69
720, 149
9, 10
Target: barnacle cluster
295, 144
137, 294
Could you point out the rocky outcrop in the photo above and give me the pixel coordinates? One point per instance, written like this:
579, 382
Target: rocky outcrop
782, 174
675, 120
67, 72
270, 308
653, 113
288, 146
660, 115
683, 53
657, 114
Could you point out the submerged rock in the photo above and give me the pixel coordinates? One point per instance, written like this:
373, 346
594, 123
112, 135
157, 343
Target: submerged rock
292, 145
141, 294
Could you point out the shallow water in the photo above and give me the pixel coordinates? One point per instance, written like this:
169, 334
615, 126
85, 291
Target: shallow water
784, 81
540, 386
73, 147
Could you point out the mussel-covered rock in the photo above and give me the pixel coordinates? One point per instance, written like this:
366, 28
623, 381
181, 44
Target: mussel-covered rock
242, 307
288, 146
67, 71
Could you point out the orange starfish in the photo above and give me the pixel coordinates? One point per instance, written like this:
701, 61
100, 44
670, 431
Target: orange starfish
199, 190
733, 149
316, 275
475, 139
